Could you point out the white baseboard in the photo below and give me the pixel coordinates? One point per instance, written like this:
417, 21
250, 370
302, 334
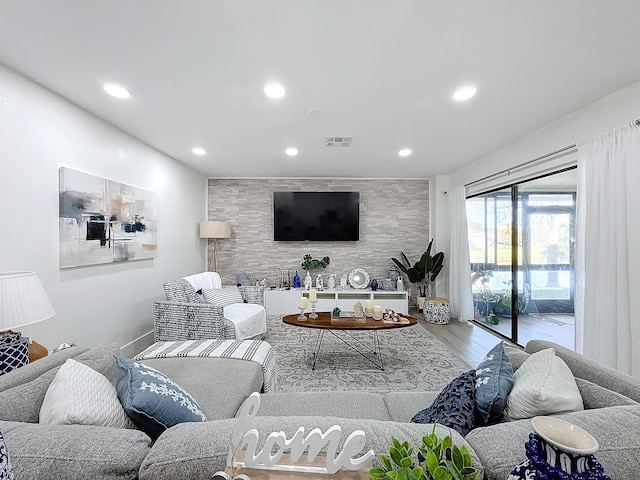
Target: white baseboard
137, 345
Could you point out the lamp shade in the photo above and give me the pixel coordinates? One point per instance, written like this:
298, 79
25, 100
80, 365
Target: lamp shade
214, 229
23, 300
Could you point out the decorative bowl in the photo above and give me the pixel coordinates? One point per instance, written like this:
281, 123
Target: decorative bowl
564, 435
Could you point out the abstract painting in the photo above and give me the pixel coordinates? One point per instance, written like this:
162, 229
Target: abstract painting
102, 221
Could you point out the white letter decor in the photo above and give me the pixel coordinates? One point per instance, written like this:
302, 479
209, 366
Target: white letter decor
277, 443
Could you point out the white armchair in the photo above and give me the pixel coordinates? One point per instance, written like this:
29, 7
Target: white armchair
197, 307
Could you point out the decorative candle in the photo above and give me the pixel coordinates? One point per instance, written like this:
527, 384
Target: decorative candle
303, 302
368, 304
313, 295
377, 309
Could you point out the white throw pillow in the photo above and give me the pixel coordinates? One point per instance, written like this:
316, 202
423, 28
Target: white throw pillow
543, 385
222, 297
80, 395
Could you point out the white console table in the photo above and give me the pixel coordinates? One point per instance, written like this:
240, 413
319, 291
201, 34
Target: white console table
287, 301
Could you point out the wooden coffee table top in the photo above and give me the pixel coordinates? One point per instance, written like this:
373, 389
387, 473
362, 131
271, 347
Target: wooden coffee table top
325, 320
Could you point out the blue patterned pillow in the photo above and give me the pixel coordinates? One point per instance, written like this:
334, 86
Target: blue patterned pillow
6, 470
454, 407
153, 401
494, 379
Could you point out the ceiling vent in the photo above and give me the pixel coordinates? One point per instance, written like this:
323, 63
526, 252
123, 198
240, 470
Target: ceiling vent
338, 142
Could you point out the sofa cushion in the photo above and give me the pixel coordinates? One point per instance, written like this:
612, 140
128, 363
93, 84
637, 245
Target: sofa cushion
544, 385
501, 447
327, 404
517, 356
181, 291
152, 400
454, 407
222, 296
494, 380
207, 380
74, 452
6, 469
595, 396
198, 450
80, 395
402, 406
22, 402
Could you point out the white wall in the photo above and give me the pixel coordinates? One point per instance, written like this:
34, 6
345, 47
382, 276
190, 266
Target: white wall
40, 132
610, 112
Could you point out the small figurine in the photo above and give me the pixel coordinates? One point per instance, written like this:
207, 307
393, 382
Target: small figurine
296, 280
374, 285
308, 282
319, 282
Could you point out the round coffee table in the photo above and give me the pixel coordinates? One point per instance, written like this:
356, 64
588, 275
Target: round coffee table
326, 323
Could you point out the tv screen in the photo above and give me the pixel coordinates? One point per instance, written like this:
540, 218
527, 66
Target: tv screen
316, 216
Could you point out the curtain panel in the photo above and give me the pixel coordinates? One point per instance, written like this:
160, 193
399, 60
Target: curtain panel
607, 249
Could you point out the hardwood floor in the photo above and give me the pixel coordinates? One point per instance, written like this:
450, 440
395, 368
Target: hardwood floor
468, 340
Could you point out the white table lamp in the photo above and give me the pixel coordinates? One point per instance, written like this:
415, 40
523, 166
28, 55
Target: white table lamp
23, 301
214, 230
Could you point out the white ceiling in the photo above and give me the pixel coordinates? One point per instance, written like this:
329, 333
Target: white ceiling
381, 71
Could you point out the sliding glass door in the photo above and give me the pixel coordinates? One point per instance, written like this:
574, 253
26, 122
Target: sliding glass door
523, 282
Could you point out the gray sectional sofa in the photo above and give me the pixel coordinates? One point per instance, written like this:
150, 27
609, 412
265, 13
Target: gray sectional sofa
197, 450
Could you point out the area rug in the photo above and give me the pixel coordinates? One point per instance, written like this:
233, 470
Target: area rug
413, 360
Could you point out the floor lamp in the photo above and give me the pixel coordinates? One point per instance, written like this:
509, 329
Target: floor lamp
214, 230
23, 301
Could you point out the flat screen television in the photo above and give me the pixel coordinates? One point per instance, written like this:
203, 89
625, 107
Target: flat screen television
316, 216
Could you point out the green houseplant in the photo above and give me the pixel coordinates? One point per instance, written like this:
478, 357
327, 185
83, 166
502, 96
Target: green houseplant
309, 263
424, 271
437, 459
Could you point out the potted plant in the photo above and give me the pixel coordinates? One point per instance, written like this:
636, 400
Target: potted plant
309, 263
423, 272
437, 459
336, 312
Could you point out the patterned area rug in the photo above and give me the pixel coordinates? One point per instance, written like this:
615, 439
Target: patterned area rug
413, 360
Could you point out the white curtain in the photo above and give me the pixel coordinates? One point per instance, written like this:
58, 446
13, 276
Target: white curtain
460, 294
608, 249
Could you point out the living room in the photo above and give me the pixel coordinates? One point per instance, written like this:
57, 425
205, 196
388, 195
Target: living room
574, 86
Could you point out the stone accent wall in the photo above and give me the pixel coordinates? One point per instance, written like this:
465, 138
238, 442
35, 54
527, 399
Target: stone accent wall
394, 216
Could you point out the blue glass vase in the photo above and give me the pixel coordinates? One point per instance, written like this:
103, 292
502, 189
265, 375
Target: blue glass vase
374, 285
296, 280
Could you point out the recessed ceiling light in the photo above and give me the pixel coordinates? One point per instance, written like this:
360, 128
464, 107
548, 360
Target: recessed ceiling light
199, 151
117, 91
405, 152
274, 90
291, 151
464, 93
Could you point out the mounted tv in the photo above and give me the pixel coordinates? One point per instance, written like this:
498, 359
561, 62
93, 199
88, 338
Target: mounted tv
316, 216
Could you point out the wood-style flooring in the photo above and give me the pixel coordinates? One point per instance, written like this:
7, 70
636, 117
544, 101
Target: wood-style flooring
471, 342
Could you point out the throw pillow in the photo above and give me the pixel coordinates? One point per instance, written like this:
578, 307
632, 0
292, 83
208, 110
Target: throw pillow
14, 352
152, 400
494, 379
222, 297
181, 291
80, 395
543, 385
6, 470
454, 407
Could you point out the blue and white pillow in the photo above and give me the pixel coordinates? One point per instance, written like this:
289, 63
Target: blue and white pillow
454, 407
152, 400
494, 380
6, 470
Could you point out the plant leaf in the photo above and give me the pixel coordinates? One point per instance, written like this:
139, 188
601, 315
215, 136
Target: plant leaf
395, 455
386, 463
377, 473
